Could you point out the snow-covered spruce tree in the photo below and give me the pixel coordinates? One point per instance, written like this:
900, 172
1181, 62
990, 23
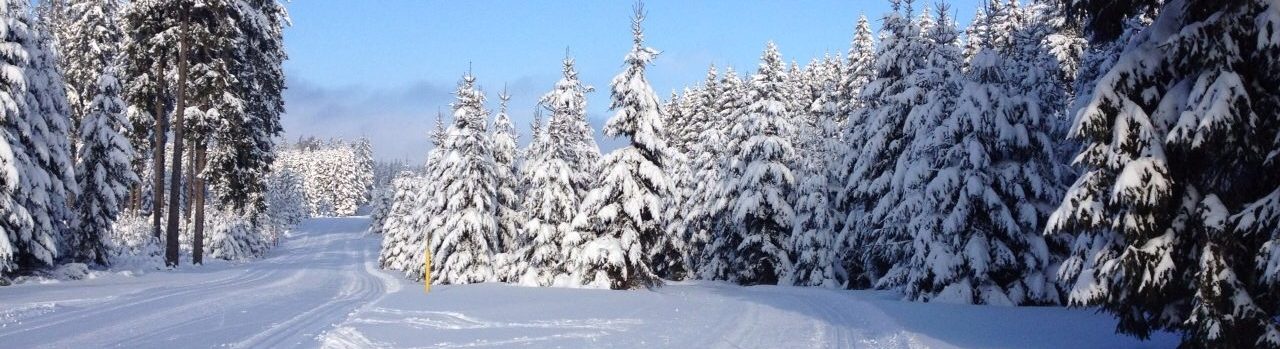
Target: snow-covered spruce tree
241, 157
568, 106
972, 243
879, 239
427, 203
762, 214
1176, 212
379, 208
49, 138
701, 173
505, 177
974, 34
681, 131
552, 178
103, 170
622, 239
89, 47
286, 202
396, 229
462, 235
812, 241
363, 152
36, 208
506, 181
716, 177
16, 222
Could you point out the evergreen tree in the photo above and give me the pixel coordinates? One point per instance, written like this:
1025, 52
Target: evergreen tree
568, 106
396, 250
506, 178
16, 242
716, 210
253, 54
812, 243
363, 152
702, 172
872, 185
1175, 214
620, 219
553, 174
35, 130
462, 235
762, 214
90, 47
103, 171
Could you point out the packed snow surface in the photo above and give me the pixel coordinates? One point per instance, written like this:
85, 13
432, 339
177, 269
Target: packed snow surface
321, 288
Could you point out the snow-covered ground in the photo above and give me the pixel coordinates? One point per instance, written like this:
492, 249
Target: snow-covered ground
321, 288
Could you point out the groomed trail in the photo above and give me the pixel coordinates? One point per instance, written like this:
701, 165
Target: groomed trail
321, 288
303, 287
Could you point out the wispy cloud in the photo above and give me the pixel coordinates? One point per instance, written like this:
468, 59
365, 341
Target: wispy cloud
396, 120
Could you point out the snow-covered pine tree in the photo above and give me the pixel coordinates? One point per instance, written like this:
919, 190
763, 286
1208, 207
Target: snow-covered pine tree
238, 163
548, 205
762, 214
426, 204
568, 106
462, 235
103, 170
49, 138
535, 137
506, 178
881, 240
554, 180
680, 132
975, 33
35, 221
1176, 211
16, 222
90, 47
859, 70
622, 240
719, 195
363, 152
396, 230
700, 173
286, 202
971, 245
812, 240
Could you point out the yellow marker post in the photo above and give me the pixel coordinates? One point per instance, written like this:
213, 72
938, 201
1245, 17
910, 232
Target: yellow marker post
426, 270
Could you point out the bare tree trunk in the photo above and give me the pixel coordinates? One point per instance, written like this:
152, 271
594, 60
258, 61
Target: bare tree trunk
190, 184
197, 194
175, 175
157, 158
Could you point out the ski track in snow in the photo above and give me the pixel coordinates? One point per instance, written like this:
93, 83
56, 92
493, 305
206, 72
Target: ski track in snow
322, 288
304, 287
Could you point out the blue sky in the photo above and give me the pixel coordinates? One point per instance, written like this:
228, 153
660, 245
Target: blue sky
383, 68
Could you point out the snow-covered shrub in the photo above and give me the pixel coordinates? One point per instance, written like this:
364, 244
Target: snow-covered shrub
286, 203
131, 245
380, 208
232, 236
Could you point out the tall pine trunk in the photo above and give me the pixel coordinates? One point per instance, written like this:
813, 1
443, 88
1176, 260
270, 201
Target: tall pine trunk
157, 159
190, 184
197, 194
171, 244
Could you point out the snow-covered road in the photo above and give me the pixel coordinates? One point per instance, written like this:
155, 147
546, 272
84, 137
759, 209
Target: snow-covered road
302, 288
321, 288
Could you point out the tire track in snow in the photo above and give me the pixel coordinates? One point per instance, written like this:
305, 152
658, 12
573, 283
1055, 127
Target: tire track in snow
368, 287
309, 283
147, 297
